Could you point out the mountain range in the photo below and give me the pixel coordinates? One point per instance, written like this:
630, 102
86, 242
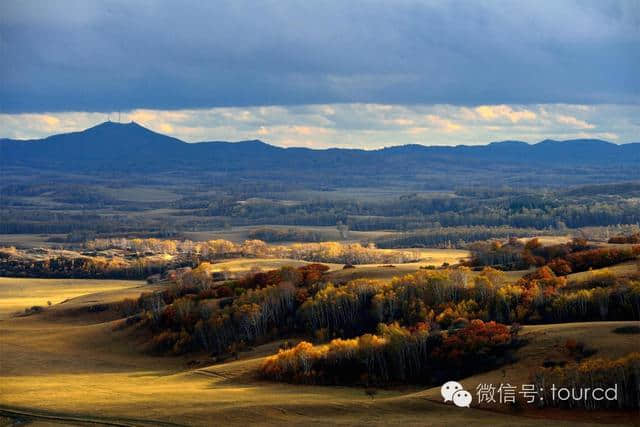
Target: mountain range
131, 148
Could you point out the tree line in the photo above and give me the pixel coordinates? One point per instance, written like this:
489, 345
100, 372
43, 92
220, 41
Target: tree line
623, 374
565, 258
396, 355
201, 315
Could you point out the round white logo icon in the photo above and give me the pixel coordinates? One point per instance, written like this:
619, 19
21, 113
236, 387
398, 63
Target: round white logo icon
448, 389
452, 391
462, 398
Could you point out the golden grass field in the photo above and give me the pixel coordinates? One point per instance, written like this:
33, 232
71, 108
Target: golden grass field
16, 294
547, 341
74, 368
428, 257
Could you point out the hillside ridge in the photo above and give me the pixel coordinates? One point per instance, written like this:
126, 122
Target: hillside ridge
131, 147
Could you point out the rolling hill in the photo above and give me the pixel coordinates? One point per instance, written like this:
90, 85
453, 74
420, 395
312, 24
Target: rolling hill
131, 148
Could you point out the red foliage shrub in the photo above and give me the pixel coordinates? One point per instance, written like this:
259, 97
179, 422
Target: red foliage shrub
543, 273
261, 280
302, 295
560, 266
633, 238
312, 273
599, 258
302, 276
533, 244
472, 338
530, 259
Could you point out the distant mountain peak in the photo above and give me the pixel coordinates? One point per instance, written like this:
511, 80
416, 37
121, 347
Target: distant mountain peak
114, 134
111, 146
116, 125
119, 126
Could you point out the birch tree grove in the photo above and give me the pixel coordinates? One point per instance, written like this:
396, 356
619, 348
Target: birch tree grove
394, 354
280, 303
622, 373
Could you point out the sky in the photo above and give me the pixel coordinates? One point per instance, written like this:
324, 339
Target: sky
331, 73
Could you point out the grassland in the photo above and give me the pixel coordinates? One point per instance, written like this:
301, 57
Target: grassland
48, 366
622, 269
71, 365
17, 294
426, 257
74, 366
547, 342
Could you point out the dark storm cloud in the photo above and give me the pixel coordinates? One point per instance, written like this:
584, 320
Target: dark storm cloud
104, 56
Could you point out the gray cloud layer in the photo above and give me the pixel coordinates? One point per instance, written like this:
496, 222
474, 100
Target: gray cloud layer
110, 55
